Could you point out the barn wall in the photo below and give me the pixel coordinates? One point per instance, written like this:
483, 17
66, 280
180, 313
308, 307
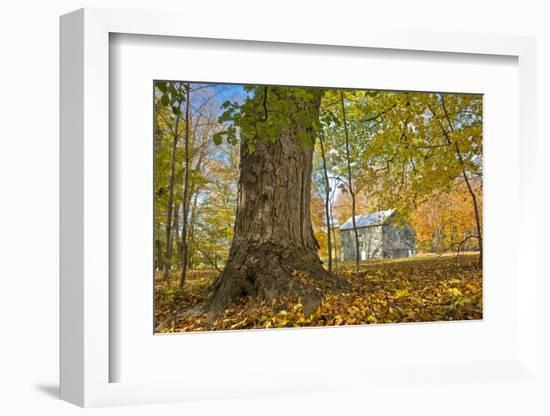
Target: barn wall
398, 241
376, 242
370, 243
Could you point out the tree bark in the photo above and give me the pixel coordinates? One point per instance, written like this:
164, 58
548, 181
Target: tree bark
273, 235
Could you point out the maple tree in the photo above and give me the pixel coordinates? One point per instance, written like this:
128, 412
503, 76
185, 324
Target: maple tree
253, 182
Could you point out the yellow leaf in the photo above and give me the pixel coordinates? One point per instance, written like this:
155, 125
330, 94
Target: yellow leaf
455, 292
400, 293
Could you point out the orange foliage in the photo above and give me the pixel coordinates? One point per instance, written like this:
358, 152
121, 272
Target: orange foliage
447, 218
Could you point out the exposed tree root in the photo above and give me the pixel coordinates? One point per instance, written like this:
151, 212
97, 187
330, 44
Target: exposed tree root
269, 273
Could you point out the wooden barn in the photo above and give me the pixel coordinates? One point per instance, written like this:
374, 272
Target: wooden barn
381, 235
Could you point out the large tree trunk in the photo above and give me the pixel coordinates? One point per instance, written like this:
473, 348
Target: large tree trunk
273, 233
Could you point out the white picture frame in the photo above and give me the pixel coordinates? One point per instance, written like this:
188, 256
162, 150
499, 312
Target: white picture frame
85, 221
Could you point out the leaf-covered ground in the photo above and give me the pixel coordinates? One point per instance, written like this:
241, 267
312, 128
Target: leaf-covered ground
419, 289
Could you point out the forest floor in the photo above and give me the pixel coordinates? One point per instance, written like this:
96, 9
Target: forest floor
418, 289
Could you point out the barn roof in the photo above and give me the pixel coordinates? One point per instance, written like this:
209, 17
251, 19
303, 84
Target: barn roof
368, 220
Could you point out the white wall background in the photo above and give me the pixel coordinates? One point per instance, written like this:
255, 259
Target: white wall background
29, 183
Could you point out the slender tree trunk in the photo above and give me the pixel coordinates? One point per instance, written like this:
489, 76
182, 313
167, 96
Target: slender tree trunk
185, 201
465, 176
156, 145
168, 258
176, 227
273, 235
158, 247
159, 261
334, 240
193, 246
350, 184
476, 212
327, 200
192, 206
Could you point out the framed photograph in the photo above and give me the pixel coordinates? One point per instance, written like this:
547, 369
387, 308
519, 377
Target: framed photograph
282, 212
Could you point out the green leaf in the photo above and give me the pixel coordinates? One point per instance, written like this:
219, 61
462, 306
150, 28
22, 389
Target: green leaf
172, 90
161, 86
217, 138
